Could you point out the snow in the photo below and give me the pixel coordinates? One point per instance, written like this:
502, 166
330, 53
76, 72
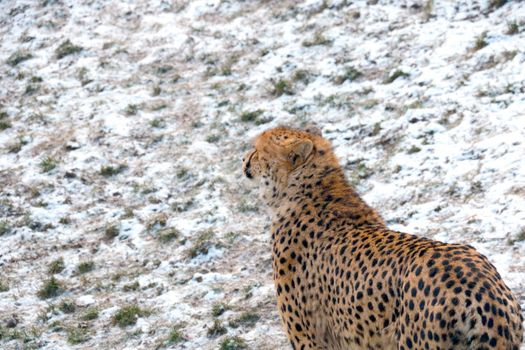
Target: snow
439, 152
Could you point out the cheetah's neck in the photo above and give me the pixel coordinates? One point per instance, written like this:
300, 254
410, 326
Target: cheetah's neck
324, 190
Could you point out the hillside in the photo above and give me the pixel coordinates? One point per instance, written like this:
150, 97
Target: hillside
125, 220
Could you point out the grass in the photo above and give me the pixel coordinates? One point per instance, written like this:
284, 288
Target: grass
396, 74
156, 90
26, 336
233, 343
76, 336
244, 206
251, 116
350, 74
18, 57
494, 4
181, 206
67, 48
183, 173
413, 149
281, 87
31, 89
131, 286
156, 222
301, 75
109, 170
512, 28
4, 228
65, 220
247, 319
520, 237
128, 315
111, 232
216, 330
56, 266
36, 79
248, 290
67, 306
90, 314
4, 124
318, 39
202, 244
213, 138
218, 309
50, 288
174, 337
157, 123
131, 109
4, 287
48, 164
168, 235
480, 42
85, 267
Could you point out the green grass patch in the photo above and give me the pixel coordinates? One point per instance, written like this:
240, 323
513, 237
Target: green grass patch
4, 287
67, 48
520, 237
512, 28
50, 288
85, 267
109, 170
131, 109
350, 74
218, 309
233, 343
48, 164
131, 287
318, 39
90, 314
251, 116
247, 319
18, 57
201, 244
216, 330
67, 306
4, 228
395, 75
213, 138
495, 4
111, 232
5, 124
56, 266
480, 42
413, 149
157, 123
174, 337
168, 235
77, 336
128, 315
282, 87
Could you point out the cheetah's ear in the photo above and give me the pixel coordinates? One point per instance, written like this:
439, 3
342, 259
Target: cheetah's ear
313, 129
299, 152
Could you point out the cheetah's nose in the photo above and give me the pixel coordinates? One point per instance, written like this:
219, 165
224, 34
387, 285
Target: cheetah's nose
247, 171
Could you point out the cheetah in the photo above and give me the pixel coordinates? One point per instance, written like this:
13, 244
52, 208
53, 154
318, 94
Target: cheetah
345, 281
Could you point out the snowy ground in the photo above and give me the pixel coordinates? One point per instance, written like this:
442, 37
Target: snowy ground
120, 152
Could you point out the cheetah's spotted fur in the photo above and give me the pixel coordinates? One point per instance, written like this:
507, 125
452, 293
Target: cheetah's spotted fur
345, 281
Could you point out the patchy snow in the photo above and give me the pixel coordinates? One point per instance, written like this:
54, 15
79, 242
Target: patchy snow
144, 127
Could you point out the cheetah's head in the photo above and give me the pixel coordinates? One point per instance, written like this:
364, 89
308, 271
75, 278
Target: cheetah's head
279, 153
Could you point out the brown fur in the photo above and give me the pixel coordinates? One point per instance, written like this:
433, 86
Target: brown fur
345, 281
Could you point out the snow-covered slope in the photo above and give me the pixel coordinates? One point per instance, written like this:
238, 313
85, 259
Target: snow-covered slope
122, 127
